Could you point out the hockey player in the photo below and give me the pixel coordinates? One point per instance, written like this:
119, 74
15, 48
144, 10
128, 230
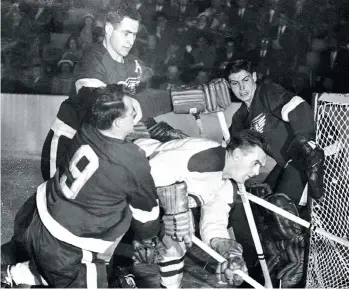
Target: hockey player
78, 217
101, 64
286, 120
191, 173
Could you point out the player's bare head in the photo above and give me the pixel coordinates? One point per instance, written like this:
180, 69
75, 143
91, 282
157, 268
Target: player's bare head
245, 154
121, 27
246, 139
242, 80
112, 103
237, 66
117, 13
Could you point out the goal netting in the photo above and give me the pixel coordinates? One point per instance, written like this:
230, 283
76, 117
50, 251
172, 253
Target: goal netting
328, 264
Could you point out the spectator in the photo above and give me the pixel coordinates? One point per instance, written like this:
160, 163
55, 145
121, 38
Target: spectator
284, 37
208, 19
184, 10
301, 86
173, 77
174, 53
333, 70
162, 6
98, 34
204, 53
243, 16
227, 54
202, 77
10, 80
163, 34
150, 56
37, 81
86, 33
63, 82
147, 11
72, 49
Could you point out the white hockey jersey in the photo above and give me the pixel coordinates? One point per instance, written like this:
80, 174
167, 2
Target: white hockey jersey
198, 162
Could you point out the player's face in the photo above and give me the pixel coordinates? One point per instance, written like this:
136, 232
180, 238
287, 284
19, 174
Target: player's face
243, 84
123, 36
129, 115
244, 164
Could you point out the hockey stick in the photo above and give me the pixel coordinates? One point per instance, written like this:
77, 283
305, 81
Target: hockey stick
295, 219
224, 126
255, 236
221, 259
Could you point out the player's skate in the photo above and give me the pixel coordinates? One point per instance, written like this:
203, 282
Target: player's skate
6, 278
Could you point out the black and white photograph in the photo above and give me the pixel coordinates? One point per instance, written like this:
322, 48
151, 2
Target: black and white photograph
175, 144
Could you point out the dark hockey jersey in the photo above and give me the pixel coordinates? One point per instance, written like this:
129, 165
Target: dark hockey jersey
96, 68
264, 115
100, 185
97, 64
71, 114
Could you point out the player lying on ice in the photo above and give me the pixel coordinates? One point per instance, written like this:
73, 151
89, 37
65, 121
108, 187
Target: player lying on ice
191, 173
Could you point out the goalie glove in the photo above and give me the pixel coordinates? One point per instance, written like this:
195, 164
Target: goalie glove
174, 200
310, 158
232, 252
148, 251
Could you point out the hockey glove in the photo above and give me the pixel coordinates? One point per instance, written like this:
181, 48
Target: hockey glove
174, 200
232, 251
148, 251
310, 158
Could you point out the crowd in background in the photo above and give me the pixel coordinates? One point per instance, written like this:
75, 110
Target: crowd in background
301, 44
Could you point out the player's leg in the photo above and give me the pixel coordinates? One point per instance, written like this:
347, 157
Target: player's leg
171, 267
61, 264
21, 274
13, 251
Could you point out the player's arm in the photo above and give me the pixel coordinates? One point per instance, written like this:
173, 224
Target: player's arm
90, 71
288, 107
303, 151
238, 120
172, 193
213, 231
215, 214
58, 139
144, 204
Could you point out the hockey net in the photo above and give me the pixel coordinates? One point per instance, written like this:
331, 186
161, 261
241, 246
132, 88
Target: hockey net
328, 264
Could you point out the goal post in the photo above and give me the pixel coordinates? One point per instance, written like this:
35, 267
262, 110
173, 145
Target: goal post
328, 263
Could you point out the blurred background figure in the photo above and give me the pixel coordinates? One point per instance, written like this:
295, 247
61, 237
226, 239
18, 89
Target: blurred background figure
86, 33
62, 83
72, 49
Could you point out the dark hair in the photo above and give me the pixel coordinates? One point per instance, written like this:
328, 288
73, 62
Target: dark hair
237, 66
116, 13
246, 139
109, 105
76, 39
